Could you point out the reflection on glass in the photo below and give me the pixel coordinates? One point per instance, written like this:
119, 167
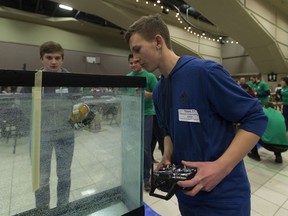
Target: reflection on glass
90, 164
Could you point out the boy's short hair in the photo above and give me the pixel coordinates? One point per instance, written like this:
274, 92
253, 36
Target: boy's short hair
51, 47
130, 56
285, 79
148, 27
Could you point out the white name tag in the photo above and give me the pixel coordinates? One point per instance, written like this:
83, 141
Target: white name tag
61, 91
188, 115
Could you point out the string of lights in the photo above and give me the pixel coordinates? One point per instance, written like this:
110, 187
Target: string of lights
187, 25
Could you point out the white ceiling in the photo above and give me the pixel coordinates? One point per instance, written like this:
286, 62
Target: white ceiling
263, 49
241, 27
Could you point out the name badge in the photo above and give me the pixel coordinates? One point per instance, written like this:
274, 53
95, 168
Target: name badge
62, 91
188, 115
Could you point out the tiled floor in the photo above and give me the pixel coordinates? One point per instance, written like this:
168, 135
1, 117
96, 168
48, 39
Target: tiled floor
95, 168
269, 186
269, 181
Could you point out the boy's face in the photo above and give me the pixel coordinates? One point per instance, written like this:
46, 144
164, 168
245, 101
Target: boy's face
52, 62
253, 79
146, 51
135, 64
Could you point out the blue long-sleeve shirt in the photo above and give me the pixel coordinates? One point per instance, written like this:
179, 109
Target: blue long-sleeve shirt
198, 105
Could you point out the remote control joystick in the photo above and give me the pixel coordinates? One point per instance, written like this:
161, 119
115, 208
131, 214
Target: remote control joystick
166, 179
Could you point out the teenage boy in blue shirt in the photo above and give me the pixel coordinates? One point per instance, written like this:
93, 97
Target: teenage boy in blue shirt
197, 103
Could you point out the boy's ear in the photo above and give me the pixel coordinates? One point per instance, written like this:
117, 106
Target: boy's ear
159, 41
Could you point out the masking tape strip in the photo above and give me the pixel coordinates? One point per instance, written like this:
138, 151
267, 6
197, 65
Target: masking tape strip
36, 130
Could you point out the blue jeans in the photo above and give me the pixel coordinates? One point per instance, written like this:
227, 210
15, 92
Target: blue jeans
148, 128
64, 153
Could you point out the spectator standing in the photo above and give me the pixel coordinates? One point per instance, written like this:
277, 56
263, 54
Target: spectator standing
149, 111
278, 97
284, 95
262, 90
157, 137
241, 81
56, 131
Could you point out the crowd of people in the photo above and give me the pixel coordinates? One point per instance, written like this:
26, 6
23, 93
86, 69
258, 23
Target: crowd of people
275, 136
261, 90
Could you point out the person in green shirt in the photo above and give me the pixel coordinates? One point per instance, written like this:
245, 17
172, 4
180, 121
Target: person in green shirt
284, 94
149, 112
274, 138
261, 89
250, 83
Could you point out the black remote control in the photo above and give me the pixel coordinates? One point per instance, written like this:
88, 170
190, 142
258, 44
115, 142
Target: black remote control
166, 179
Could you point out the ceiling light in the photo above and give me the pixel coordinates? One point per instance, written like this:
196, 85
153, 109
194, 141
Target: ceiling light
65, 7
165, 10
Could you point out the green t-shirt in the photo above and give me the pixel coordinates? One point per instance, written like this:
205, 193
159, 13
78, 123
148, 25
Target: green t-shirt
151, 82
260, 87
275, 132
250, 84
284, 93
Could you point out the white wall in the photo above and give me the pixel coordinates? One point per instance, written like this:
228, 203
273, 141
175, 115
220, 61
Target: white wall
20, 41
